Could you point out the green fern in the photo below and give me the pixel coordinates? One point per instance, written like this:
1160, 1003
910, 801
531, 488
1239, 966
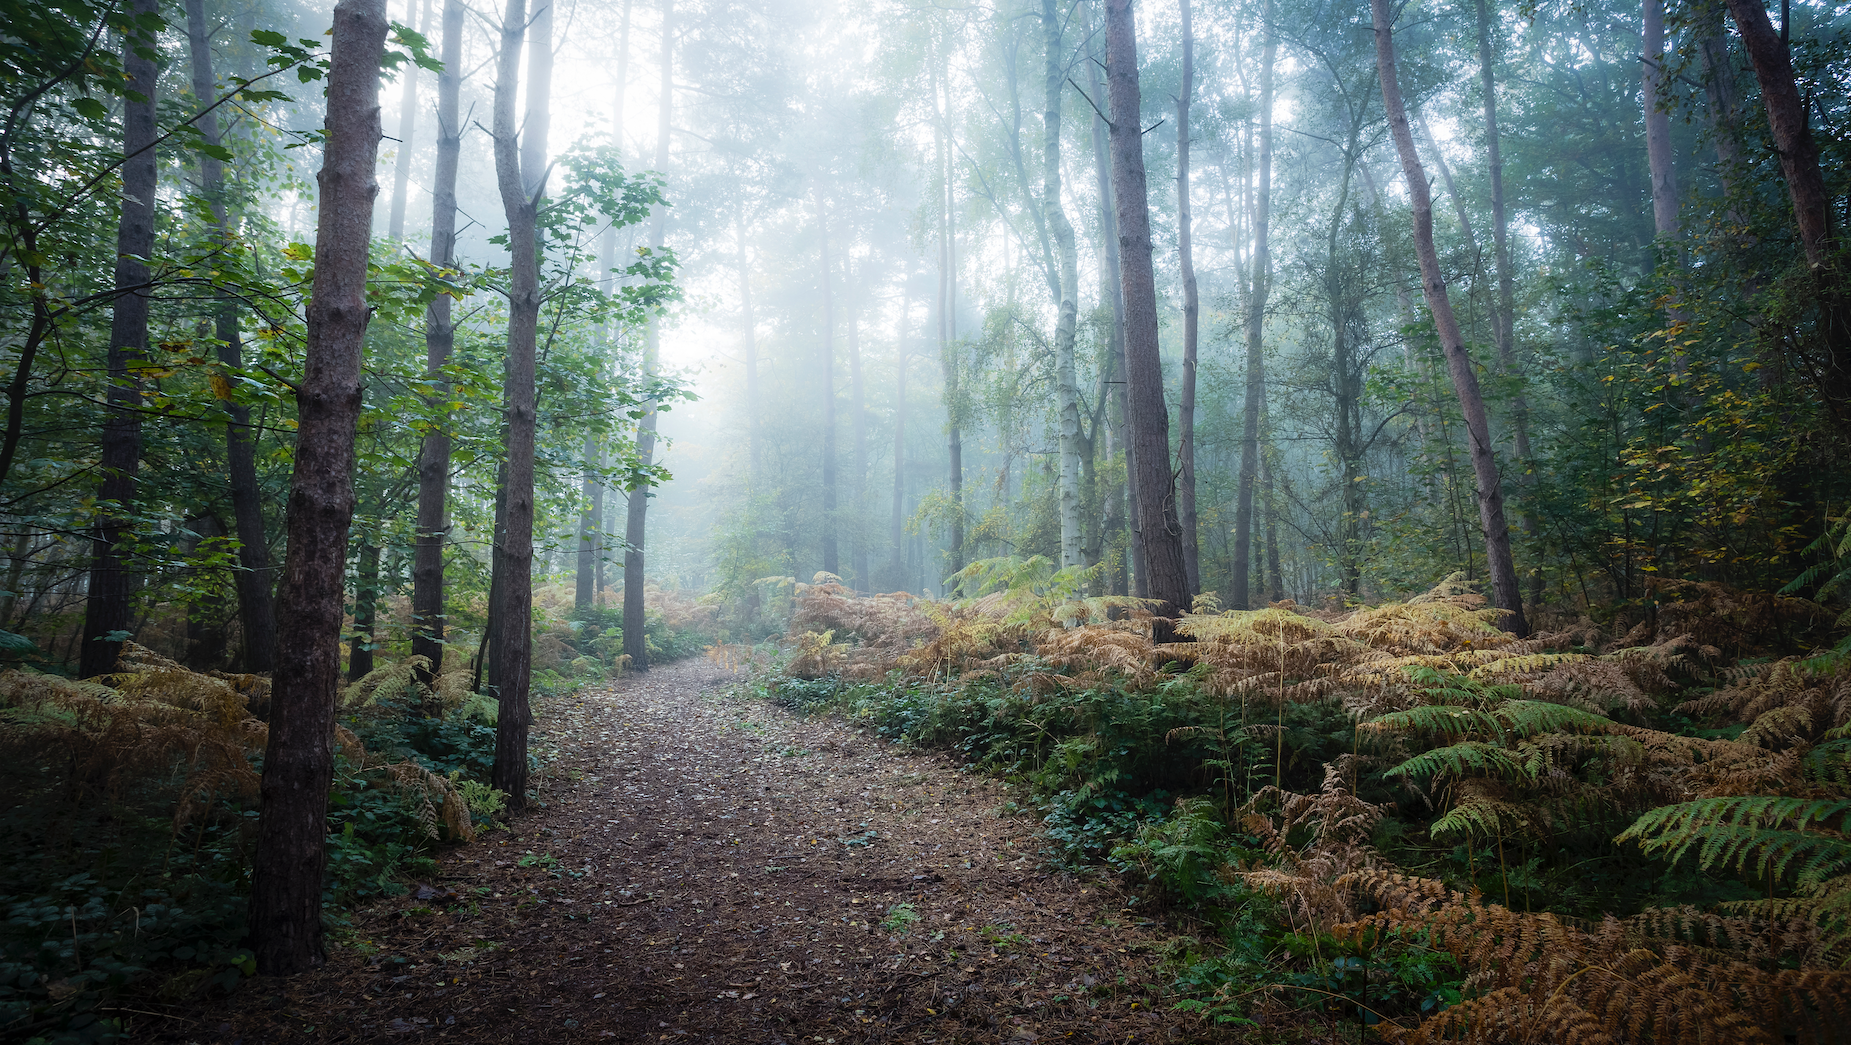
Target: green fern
1764, 834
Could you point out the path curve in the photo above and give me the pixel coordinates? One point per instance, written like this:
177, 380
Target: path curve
706, 868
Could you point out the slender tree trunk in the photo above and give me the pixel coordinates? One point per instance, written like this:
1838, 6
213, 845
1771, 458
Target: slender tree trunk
1067, 303
857, 537
582, 592
407, 124
520, 154
365, 609
947, 334
1185, 411
1507, 595
286, 883
1124, 509
1275, 579
636, 520
1242, 583
749, 327
1658, 151
1720, 91
256, 612
831, 560
427, 587
106, 610
1149, 422
896, 533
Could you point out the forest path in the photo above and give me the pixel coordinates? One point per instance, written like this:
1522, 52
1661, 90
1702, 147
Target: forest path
706, 868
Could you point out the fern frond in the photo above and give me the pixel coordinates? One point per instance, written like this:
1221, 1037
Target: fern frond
1770, 835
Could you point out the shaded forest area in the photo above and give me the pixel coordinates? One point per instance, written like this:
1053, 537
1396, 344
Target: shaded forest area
1372, 473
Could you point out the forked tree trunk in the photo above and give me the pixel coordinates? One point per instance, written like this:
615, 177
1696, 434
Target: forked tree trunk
636, 521
1506, 595
1067, 317
107, 608
286, 884
427, 587
1185, 410
512, 652
1242, 582
1149, 422
256, 611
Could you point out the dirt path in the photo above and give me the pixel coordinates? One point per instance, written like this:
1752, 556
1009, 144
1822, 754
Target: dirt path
706, 869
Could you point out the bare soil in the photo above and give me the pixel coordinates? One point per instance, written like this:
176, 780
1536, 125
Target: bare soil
704, 868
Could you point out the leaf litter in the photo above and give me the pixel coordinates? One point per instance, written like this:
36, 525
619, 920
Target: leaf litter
705, 869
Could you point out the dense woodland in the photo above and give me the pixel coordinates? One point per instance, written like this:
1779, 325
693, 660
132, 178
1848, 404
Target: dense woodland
1362, 466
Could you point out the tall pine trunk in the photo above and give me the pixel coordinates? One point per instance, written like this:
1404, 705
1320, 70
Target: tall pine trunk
1149, 422
427, 587
1122, 514
947, 330
636, 519
520, 155
107, 608
1506, 594
1257, 295
1192, 307
286, 882
256, 611
1658, 152
896, 532
857, 535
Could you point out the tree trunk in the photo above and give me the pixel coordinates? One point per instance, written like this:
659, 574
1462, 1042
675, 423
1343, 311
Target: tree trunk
1720, 92
1120, 514
106, 610
588, 523
1658, 152
1242, 583
947, 333
407, 124
636, 519
896, 533
1066, 380
831, 560
1185, 410
1149, 422
1787, 120
518, 152
749, 327
286, 884
1507, 595
427, 587
857, 536
256, 611
365, 609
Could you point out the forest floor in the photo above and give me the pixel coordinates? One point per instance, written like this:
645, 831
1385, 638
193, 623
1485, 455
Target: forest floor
706, 868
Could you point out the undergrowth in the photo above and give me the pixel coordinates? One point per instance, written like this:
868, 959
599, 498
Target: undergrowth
1402, 815
132, 815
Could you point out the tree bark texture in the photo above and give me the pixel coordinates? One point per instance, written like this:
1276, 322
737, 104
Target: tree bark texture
1242, 581
285, 911
107, 609
636, 521
1506, 594
1786, 117
1192, 308
427, 587
256, 610
513, 650
1149, 422
1123, 510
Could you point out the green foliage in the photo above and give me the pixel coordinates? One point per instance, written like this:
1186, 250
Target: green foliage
1764, 835
900, 919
